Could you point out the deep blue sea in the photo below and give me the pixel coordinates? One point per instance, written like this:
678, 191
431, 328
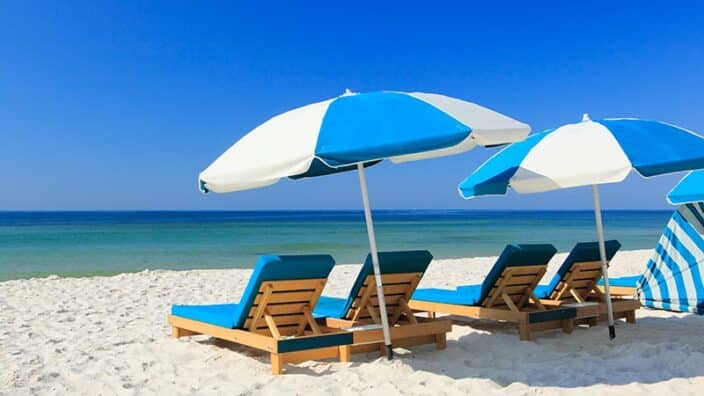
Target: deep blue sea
90, 243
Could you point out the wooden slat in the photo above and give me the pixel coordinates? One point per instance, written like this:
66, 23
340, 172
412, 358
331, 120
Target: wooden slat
509, 301
588, 275
524, 270
521, 280
266, 294
281, 309
288, 297
578, 284
272, 326
587, 265
239, 336
403, 307
393, 289
299, 284
395, 278
390, 300
311, 321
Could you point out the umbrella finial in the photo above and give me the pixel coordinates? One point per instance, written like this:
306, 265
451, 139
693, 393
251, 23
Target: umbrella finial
348, 92
585, 117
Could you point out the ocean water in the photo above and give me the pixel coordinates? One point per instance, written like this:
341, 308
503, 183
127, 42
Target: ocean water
92, 243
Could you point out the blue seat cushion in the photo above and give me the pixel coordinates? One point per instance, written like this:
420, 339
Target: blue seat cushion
581, 253
543, 291
330, 307
401, 262
623, 281
222, 315
268, 268
464, 295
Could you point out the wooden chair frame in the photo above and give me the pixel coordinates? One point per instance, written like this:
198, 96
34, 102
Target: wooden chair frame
620, 291
406, 329
511, 299
580, 285
280, 321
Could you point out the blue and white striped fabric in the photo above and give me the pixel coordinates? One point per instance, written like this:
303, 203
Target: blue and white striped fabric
337, 134
586, 153
689, 189
673, 279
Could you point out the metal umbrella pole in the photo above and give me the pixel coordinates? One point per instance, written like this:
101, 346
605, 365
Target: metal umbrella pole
604, 265
375, 262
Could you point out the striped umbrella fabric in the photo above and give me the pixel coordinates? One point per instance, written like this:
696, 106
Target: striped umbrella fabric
587, 153
674, 277
337, 134
689, 189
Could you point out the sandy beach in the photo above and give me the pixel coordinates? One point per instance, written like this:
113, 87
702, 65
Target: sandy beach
108, 335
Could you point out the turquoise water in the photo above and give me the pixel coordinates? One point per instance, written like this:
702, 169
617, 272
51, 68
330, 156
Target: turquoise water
89, 243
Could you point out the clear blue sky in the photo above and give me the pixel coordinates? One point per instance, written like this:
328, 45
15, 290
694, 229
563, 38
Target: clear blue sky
110, 105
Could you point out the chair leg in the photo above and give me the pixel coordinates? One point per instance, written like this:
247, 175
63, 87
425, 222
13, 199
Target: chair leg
175, 332
345, 353
276, 364
568, 325
524, 331
631, 317
382, 349
440, 341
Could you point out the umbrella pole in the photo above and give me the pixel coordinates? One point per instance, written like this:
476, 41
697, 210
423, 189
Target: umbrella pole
375, 262
604, 266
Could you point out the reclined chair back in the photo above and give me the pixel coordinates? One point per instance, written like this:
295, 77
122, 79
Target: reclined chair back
400, 273
578, 276
511, 281
281, 294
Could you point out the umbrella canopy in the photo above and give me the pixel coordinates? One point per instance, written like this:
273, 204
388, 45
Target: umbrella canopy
353, 131
336, 134
689, 189
588, 153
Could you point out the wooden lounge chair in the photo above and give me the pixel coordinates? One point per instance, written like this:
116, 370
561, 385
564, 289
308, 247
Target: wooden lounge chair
505, 295
576, 282
274, 313
400, 273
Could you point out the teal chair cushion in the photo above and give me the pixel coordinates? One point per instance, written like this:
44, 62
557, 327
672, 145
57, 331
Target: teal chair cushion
268, 268
623, 281
330, 307
468, 296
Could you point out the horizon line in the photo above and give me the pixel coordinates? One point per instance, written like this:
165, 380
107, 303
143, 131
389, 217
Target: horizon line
323, 210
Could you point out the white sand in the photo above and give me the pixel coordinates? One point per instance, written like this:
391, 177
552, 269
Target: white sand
108, 335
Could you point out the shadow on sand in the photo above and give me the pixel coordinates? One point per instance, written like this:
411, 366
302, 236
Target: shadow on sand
655, 349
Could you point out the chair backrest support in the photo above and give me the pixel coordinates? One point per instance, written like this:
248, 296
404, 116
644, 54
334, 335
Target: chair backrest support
285, 280
283, 308
578, 275
579, 282
514, 288
397, 288
401, 272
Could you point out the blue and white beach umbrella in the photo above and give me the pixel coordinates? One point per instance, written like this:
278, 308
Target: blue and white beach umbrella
690, 189
588, 153
351, 132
